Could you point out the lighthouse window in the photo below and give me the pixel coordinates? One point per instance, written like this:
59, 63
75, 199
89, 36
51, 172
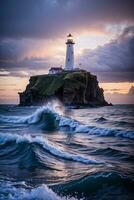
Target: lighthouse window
68, 59
69, 45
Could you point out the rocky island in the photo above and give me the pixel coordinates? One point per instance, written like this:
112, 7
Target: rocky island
70, 87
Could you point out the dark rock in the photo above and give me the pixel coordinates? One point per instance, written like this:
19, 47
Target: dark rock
72, 88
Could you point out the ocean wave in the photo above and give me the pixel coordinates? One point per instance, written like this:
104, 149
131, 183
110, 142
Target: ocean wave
105, 131
50, 147
101, 182
88, 187
51, 120
43, 192
31, 119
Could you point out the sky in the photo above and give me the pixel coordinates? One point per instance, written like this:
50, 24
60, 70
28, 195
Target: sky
33, 35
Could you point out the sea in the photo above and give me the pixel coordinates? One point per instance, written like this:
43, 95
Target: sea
52, 152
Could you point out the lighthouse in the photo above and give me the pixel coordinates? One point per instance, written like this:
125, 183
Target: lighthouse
69, 64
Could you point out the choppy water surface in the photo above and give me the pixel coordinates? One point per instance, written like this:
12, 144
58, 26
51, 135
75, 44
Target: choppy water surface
53, 153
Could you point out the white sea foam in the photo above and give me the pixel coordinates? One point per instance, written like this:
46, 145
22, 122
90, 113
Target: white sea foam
50, 147
42, 192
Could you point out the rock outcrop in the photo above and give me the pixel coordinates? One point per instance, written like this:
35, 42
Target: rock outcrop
72, 88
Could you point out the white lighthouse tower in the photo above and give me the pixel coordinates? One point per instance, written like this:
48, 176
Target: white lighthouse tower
69, 65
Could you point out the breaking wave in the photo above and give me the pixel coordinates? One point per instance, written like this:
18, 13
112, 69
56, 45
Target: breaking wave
51, 120
90, 185
43, 192
53, 149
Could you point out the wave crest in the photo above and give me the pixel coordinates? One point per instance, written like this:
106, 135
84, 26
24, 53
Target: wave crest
42, 192
51, 120
50, 147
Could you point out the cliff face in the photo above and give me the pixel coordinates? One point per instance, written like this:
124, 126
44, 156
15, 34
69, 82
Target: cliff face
72, 88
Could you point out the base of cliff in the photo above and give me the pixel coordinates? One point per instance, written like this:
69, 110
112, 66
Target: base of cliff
73, 88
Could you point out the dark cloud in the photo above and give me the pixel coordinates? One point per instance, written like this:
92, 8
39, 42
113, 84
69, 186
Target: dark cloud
11, 50
52, 18
14, 55
20, 74
115, 77
24, 22
113, 62
27, 64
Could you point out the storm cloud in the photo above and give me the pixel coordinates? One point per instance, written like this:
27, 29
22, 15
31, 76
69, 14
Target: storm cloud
49, 19
113, 62
24, 24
